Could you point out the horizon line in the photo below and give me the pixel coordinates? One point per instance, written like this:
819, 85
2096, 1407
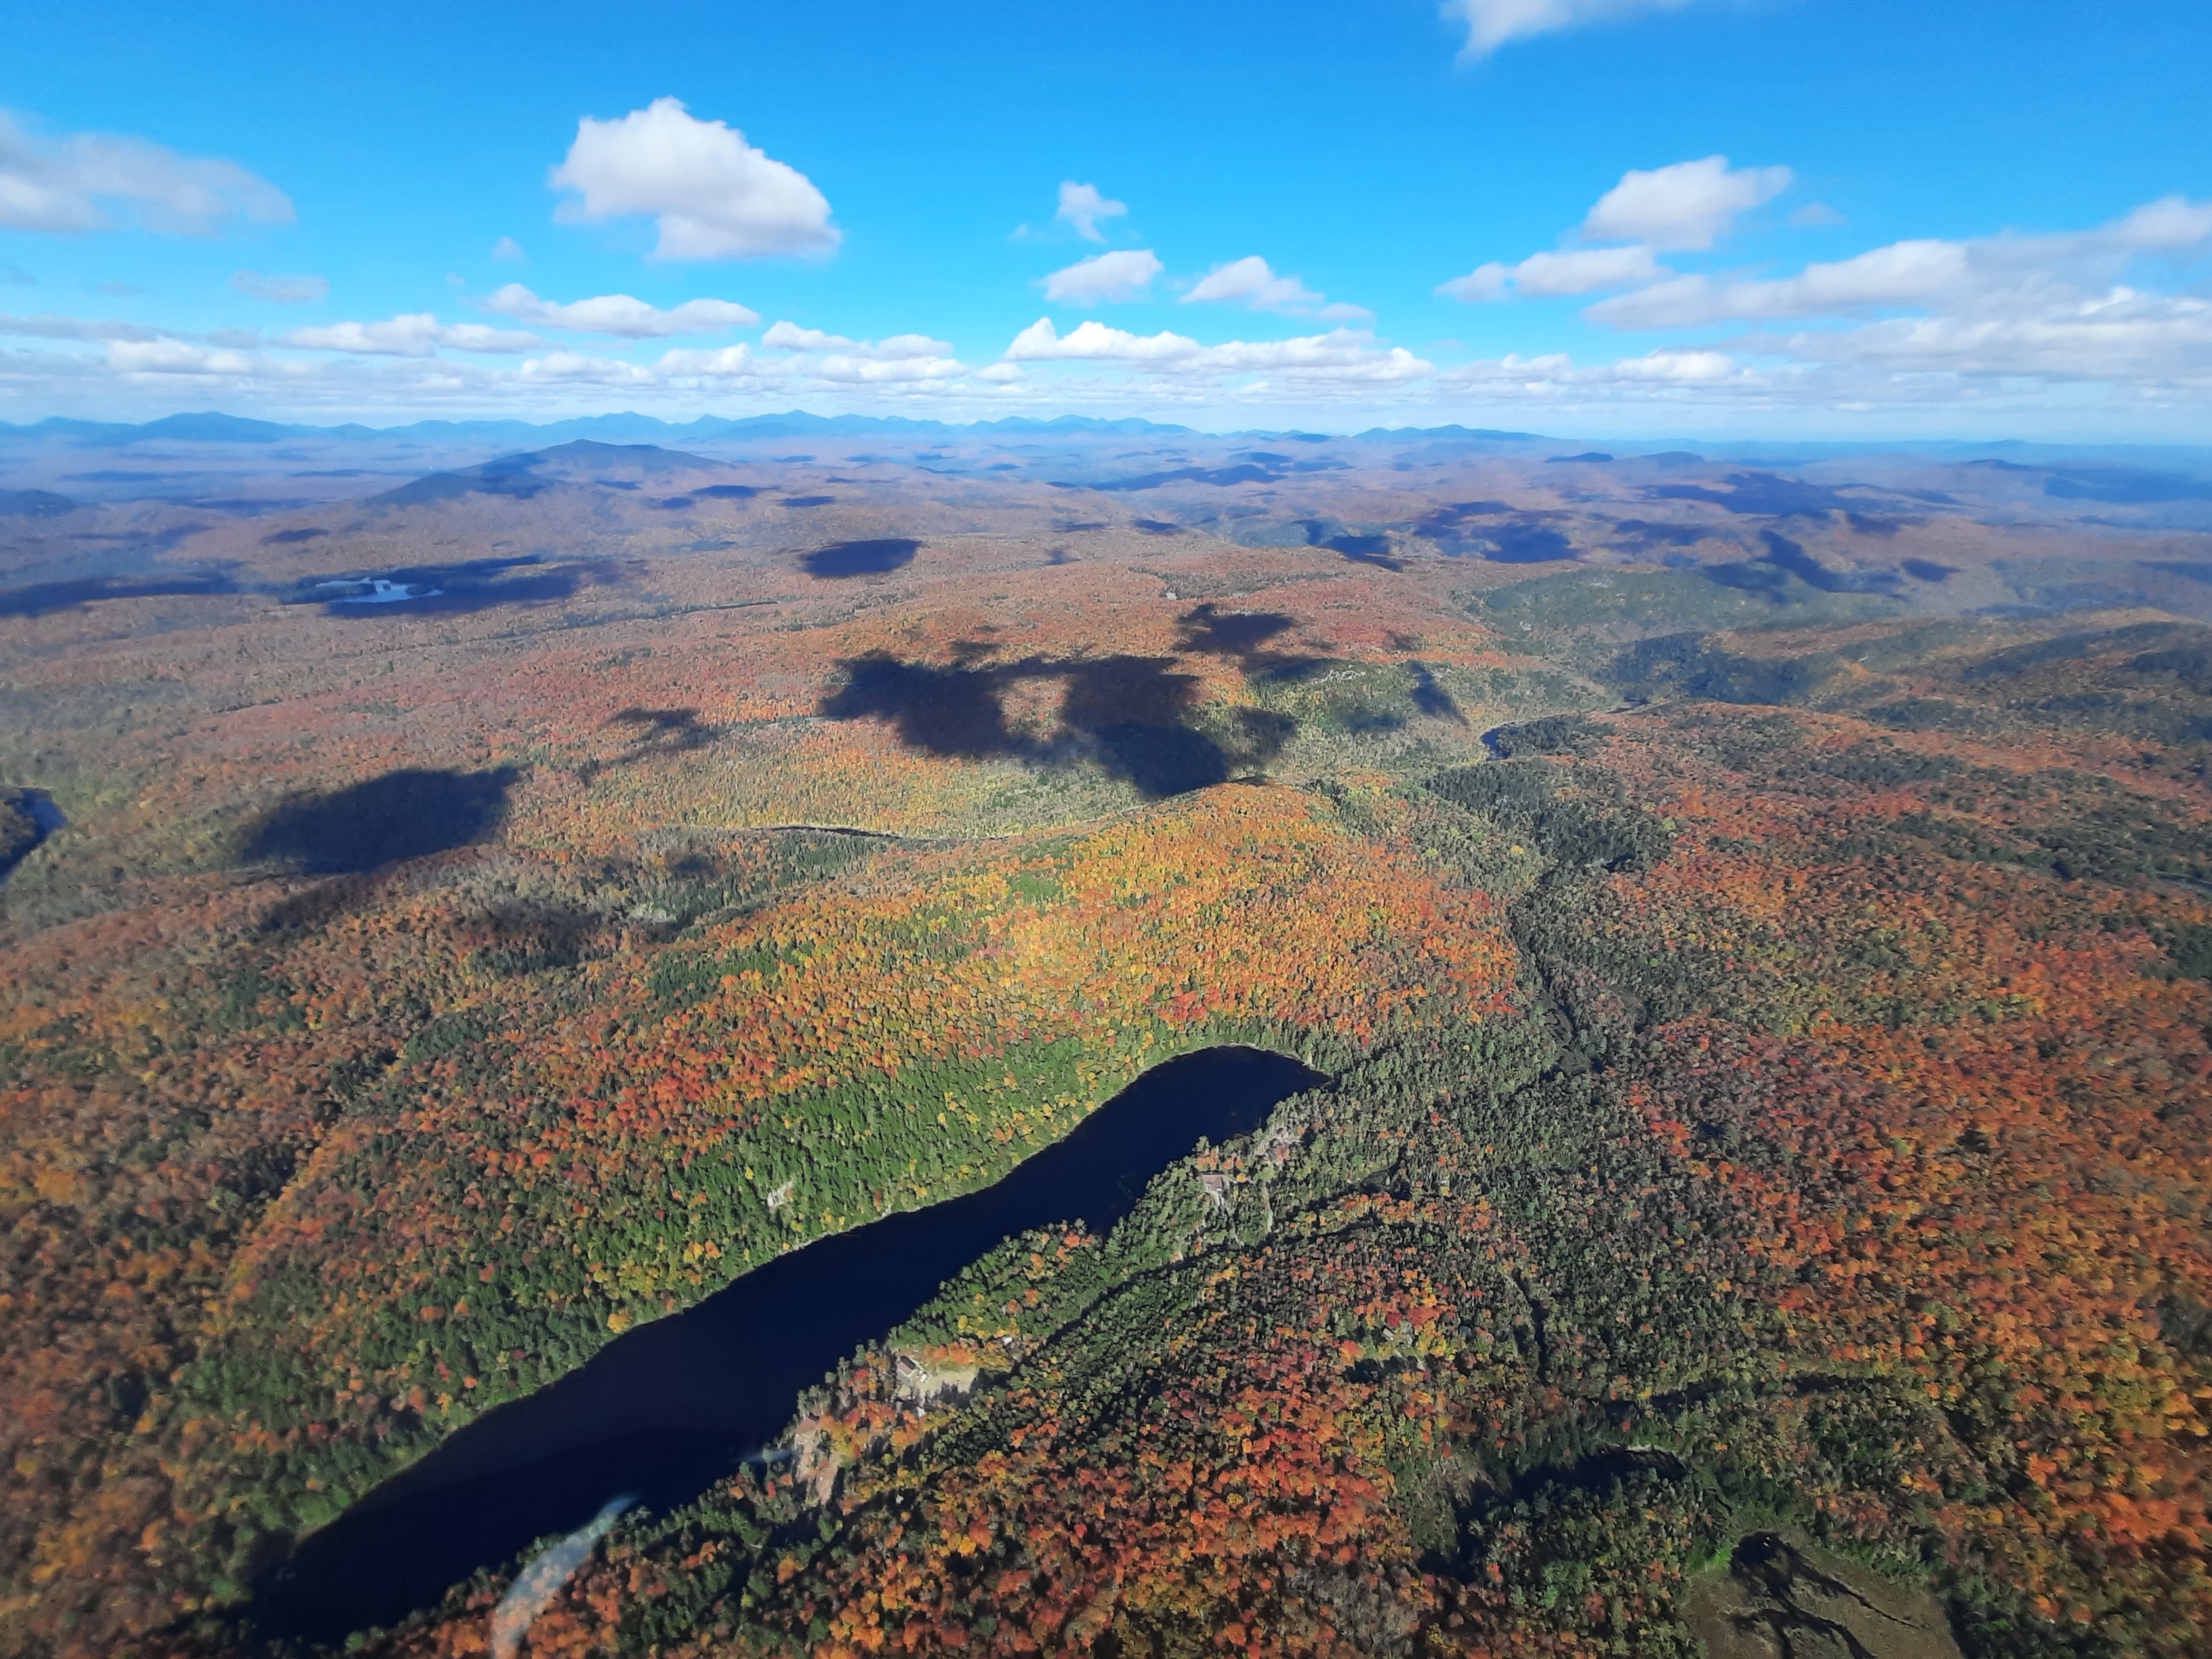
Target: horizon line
272, 430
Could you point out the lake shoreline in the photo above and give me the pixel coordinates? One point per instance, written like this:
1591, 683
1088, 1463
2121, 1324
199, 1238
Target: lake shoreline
670, 1405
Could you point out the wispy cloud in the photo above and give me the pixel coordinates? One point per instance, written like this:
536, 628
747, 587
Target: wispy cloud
417, 334
789, 337
92, 181
2012, 276
1081, 208
1341, 353
1556, 371
1927, 318
48, 326
1579, 270
283, 290
1491, 23
899, 359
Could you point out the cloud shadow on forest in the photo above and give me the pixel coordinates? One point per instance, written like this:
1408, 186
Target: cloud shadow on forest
40, 599
1364, 549
862, 558
382, 820
666, 729
1219, 633
1524, 538
528, 935
1210, 631
1430, 698
1128, 714
1522, 542
1647, 536
1768, 496
1771, 573
659, 732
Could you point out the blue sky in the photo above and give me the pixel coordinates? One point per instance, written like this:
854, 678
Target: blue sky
1969, 219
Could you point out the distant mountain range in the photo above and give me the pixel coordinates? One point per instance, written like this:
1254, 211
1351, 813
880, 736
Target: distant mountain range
212, 427
516, 475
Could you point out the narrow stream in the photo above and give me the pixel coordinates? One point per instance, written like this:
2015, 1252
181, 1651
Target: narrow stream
666, 1410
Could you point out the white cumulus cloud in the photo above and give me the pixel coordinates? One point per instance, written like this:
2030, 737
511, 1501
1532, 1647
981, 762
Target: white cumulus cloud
1491, 23
732, 362
789, 337
94, 180
1250, 282
1340, 354
1082, 206
873, 371
1676, 367
482, 337
1121, 275
507, 248
712, 195
1688, 205
416, 334
175, 357
573, 368
1095, 341
899, 347
619, 314
284, 290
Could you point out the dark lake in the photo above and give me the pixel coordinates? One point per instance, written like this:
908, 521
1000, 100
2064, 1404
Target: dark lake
669, 1408
34, 817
